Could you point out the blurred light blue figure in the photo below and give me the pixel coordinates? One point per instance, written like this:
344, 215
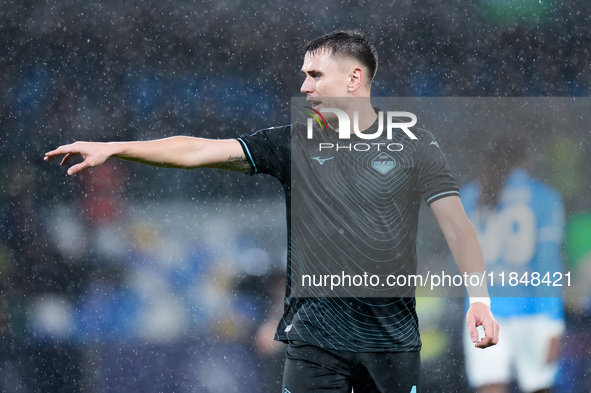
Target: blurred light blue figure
520, 225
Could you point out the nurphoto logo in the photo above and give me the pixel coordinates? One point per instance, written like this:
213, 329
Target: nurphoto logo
394, 120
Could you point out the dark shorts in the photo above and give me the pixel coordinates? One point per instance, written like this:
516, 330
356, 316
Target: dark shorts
313, 369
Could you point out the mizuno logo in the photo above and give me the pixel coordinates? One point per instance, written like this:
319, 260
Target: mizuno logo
434, 143
321, 161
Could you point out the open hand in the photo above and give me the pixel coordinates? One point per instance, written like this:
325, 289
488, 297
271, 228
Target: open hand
93, 154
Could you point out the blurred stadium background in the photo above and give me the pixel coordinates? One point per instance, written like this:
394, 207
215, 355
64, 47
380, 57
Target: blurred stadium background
136, 279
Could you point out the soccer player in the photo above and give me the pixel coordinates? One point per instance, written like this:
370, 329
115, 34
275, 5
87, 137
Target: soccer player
351, 342
519, 221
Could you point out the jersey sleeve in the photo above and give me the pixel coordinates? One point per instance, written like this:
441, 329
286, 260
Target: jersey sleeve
434, 177
268, 151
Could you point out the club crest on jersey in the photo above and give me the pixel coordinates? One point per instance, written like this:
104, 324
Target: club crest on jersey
383, 163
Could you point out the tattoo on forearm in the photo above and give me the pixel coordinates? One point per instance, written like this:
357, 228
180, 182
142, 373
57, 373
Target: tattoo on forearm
235, 163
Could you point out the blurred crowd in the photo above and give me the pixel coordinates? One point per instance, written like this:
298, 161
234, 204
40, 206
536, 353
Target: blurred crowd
132, 278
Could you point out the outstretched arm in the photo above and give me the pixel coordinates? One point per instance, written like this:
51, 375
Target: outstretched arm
463, 244
175, 152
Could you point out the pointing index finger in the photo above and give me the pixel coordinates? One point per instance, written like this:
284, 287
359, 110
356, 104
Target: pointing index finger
50, 155
65, 149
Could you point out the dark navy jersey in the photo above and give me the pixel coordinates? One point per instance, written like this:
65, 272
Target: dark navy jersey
352, 207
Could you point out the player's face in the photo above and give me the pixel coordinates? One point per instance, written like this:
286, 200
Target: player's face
325, 77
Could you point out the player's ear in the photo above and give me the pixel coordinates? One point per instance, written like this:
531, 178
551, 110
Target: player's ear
356, 77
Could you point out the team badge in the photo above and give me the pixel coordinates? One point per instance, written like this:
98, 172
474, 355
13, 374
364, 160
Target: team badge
383, 163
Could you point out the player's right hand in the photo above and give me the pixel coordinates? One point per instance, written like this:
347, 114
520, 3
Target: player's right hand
93, 154
479, 314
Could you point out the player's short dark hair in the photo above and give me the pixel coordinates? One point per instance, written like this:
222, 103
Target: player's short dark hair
351, 43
